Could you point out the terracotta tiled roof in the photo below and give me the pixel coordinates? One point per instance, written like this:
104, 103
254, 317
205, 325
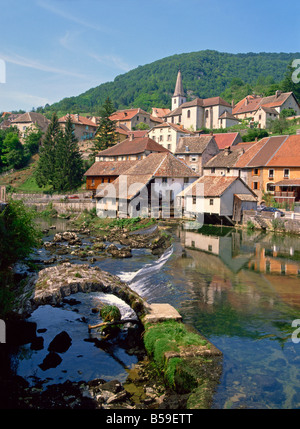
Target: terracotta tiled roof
246, 158
226, 139
213, 186
162, 165
267, 151
215, 101
109, 168
137, 145
202, 102
77, 119
227, 158
255, 102
122, 115
288, 182
195, 145
159, 112
228, 115
288, 154
175, 127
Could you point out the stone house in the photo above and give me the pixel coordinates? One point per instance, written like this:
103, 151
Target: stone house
196, 151
148, 188
133, 117
84, 128
168, 135
218, 196
30, 120
249, 107
130, 149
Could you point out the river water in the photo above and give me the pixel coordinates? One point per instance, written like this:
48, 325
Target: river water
240, 290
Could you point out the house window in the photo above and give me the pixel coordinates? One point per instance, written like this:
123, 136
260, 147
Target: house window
194, 200
210, 248
270, 187
188, 113
256, 172
255, 185
93, 182
179, 118
169, 146
211, 202
194, 158
161, 138
206, 114
271, 174
286, 173
228, 170
164, 180
169, 137
213, 170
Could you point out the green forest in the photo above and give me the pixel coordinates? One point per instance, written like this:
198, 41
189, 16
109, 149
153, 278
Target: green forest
205, 74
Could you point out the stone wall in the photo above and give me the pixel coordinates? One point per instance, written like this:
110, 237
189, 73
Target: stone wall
59, 202
269, 222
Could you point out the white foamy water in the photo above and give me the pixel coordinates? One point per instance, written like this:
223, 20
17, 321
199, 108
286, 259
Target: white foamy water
139, 280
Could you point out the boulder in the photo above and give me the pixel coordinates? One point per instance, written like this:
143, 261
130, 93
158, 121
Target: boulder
60, 343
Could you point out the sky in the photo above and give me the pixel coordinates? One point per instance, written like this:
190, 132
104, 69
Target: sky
52, 49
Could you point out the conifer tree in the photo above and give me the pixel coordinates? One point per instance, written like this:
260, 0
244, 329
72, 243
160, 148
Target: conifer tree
106, 132
46, 164
60, 164
68, 161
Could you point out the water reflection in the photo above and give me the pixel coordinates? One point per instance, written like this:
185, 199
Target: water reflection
244, 295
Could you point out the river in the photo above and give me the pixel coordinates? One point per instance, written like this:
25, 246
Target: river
241, 290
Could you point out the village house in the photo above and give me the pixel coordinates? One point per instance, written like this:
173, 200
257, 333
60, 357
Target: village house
199, 113
131, 118
224, 163
168, 135
150, 186
105, 172
130, 149
84, 128
271, 165
263, 109
196, 151
218, 197
30, 120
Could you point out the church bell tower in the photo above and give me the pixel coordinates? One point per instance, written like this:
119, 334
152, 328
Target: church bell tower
178, 96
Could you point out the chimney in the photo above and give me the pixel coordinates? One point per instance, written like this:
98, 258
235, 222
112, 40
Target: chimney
277, 93
131, 137
77, 116
246, 101
232, 104
187, 149
227, 151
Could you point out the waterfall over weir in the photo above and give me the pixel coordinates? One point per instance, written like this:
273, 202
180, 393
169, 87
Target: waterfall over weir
141, 281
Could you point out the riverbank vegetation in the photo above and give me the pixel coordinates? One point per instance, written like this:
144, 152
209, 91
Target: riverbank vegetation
19, 235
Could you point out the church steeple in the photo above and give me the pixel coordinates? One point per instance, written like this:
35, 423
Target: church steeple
178, 96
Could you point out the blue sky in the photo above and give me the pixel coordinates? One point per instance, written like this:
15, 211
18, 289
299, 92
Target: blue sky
52, 49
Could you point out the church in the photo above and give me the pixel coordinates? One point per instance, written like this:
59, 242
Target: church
193, 115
